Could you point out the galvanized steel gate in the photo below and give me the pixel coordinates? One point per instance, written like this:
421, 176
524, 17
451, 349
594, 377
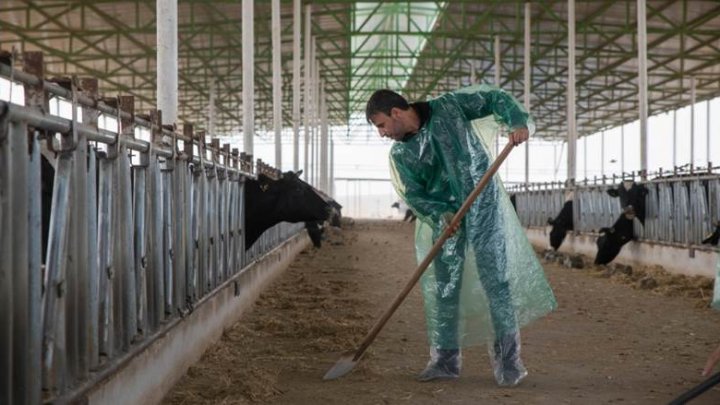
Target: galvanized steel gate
140, 233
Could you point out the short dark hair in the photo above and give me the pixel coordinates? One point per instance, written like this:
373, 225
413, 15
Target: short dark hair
382, 101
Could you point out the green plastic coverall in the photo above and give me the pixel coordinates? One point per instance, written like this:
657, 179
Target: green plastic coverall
487, 282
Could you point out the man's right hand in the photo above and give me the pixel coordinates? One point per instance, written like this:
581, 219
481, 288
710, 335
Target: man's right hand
446, 218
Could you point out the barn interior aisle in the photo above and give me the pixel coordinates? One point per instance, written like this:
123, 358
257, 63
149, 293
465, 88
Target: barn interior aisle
615, 338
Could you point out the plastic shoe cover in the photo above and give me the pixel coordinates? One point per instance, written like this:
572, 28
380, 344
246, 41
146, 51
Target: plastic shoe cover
505, 357
443, 364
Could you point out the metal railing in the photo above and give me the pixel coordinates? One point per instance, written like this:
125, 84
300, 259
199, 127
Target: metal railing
131, 248
681, 208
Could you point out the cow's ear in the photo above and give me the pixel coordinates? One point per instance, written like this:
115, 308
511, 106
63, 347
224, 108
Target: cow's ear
612, 192
298, 173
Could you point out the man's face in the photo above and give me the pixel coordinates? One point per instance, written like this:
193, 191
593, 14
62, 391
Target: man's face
388, 126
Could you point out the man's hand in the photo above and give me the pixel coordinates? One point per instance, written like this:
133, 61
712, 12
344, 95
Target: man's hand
447, 221
519, 135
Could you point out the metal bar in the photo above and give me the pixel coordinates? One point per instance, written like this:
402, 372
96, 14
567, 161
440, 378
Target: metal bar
572, 130
642, 85
105, 248
306, 82
277, 81
141, 253
54, 312
129, 276
33, 362
297, 22
17, 195
167, 59
693, 92
248, 78
527, 84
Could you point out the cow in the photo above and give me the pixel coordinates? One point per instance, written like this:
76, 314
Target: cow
288, 199
561, 224
611, 240
713, 238
632, 195
409, 214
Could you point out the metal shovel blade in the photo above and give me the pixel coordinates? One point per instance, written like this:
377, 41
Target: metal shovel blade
343, 366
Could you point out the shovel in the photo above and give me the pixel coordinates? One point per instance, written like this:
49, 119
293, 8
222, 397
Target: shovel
348, 360
697, 390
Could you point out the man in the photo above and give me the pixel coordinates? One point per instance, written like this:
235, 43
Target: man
436, 161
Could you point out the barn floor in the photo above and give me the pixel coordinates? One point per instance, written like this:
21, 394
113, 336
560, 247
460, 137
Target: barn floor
613, 339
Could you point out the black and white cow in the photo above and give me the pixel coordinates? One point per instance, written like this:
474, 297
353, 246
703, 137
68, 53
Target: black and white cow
612, 239
409, 214
288, 199
561, 224
713, 238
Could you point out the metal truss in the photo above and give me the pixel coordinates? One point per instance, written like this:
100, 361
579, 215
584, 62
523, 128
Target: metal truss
419, 48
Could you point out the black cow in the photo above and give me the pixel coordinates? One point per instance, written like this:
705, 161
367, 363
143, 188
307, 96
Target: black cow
631, 195
713, 238
612, 239
409, 214
288, 199
561, 224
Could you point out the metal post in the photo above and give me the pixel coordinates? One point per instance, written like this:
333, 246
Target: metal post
527, 83
277, 81
707, 151
498, 67
674, 142
332, 168
323, 142
642, 85
693, 91
622, 149
248, 78
308, 85
297, 22
602, 153
167, 59
211, 108
572, 130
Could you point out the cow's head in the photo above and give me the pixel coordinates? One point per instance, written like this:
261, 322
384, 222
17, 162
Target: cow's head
561, 224
611, 240
295, 200
271, 201
714, 237
632, 195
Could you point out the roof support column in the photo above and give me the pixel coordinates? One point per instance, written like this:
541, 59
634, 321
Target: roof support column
306, 107
248, 74
622, 149
323, 142
167, 60
707, 150
572, 131
602, 153
211, 110
496, 48
331, 189
642, 85
527, 81
277, 82
674, 145
693, 93
297, 22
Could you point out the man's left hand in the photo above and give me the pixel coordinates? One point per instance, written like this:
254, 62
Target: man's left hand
519, 135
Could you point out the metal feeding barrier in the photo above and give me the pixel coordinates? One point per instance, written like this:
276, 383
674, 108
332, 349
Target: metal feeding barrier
681, 207
137, 233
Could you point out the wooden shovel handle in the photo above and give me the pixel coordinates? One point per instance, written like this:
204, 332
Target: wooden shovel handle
434, 251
